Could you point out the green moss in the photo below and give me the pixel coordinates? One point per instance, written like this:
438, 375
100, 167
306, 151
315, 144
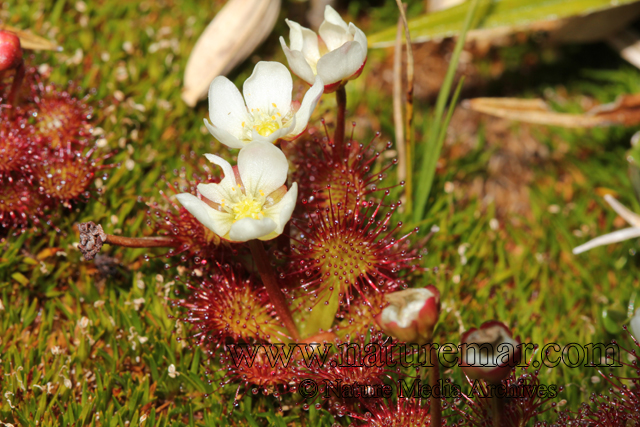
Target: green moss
107, 334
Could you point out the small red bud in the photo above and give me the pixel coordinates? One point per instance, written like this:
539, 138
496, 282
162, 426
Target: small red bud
411, 315
489, 352
10, 50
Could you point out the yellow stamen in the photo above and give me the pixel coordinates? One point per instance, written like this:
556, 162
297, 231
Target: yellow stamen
247, 208
266, 128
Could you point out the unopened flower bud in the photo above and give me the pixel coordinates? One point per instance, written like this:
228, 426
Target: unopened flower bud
490, 352
411, 315
337, 56
10, 50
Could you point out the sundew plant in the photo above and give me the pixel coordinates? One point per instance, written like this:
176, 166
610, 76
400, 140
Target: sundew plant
265, 259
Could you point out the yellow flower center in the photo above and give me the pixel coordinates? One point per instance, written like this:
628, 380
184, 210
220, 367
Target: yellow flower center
266, 128
248, 208
266, 121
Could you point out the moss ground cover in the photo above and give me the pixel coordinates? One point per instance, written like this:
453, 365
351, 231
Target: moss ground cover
84, 343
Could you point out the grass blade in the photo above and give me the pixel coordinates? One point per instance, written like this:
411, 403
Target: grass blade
431, 150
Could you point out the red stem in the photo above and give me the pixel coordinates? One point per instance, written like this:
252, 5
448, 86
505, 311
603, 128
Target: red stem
15, 86
434, 376
273, 288
338, 136
498, 406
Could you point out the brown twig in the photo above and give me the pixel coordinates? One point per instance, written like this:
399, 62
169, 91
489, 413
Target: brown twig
92, 237
142, 242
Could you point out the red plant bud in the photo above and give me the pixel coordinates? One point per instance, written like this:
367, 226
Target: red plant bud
489, 352
10, 50
412, 315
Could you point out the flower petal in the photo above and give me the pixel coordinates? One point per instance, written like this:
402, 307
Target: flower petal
303, 40
281, 212
270, 85
307, 106
249, 229
227, 170
333, 30
262, 167
214, 192
341, 63
298, 64
227, 189
359, 36
632, 218
616, 236
226, 106
218, 222
223, 136
333, 17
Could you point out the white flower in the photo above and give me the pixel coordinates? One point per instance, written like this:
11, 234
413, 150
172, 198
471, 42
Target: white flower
635, 325
340, 56
251, 202
617, 236
268, 114
172, 371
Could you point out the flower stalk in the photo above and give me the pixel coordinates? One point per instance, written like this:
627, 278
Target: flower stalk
411, 317
15, 85
435, 408
498, 406
273, 289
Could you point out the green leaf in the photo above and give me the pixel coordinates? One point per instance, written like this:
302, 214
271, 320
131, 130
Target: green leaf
19, 277
323, 313
491, 14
